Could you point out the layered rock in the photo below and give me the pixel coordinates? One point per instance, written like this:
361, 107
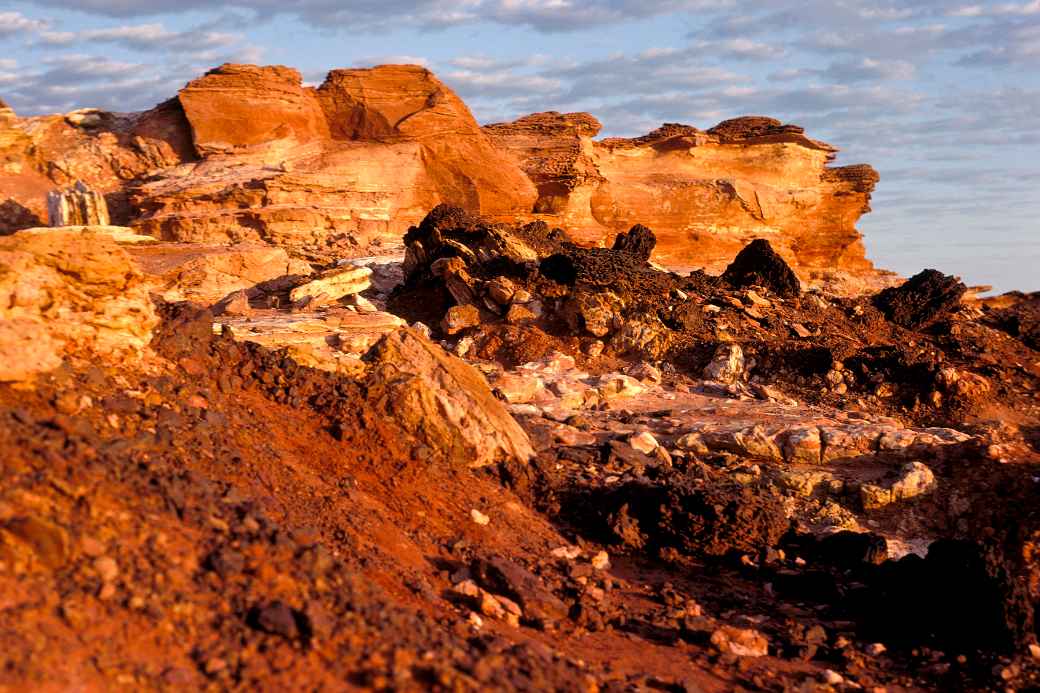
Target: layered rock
77, 206
706, 194
104, 151
250, 153
357, 160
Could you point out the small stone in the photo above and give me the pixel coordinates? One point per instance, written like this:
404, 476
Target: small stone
107, 569
568, 552
423, 329
876, 648
601, 561
800, 330
519, 313
479, 517
693, 442
594, 348
829, 676
643, 442
459, 318
1034, 650
742, 642
475, 620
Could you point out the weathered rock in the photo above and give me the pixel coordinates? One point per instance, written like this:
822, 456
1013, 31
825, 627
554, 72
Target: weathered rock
206, 273
335, 283
914, 480
442, 401
727, 365
459, 318
759, 265
63, 292
639, 241
77, 206
242, 105
924, 299
696, 189
742, 642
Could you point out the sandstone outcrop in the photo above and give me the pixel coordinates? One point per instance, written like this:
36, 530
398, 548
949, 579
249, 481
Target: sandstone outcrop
68, 291
705, 193
355, 161
249, 152
208, 273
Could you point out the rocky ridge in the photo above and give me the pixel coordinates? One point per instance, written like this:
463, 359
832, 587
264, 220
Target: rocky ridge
250, 153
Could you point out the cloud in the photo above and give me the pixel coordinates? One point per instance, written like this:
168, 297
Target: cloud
14, 23
541, 15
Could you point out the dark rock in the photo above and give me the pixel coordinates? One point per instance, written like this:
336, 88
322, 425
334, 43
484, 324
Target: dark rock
851, 549
502, 576
921, 301
759, 265
639, 240
277, 618
679, 511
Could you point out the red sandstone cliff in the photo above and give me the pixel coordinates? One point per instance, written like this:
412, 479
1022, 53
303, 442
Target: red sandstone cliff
248, 152
705, 194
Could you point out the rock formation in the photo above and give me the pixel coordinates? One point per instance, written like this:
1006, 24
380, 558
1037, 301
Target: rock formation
64, 292
358, 159
77, 206
250, 153
705, 193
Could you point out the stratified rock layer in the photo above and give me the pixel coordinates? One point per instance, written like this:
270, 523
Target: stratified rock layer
246, 152
705, 194
359, 159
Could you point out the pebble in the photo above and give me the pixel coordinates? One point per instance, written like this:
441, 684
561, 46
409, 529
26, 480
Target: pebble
601, 561
479, 517
875, 649
643, 442
832, 677
106, 568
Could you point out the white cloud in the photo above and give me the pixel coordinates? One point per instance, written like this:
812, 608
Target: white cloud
13, 23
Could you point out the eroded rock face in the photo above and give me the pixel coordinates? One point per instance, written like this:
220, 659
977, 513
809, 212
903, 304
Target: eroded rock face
705, 194
68, 291
243, 105
249, 153
355, 161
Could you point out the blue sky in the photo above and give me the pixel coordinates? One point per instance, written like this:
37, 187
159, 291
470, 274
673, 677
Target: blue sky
941, 96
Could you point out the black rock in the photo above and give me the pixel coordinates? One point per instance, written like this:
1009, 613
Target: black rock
923, 300
759, 265
639, 240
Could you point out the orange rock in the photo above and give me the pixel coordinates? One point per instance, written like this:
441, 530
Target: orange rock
241, 105
68, 291
705, 194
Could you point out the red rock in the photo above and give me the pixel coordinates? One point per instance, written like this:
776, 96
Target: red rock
704, 194
242, 105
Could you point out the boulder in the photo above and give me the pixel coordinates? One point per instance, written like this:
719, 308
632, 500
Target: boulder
639, 241
69, 292
759, 265
445, 403
923, 300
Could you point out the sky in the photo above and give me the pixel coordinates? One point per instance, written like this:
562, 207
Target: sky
942, 97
